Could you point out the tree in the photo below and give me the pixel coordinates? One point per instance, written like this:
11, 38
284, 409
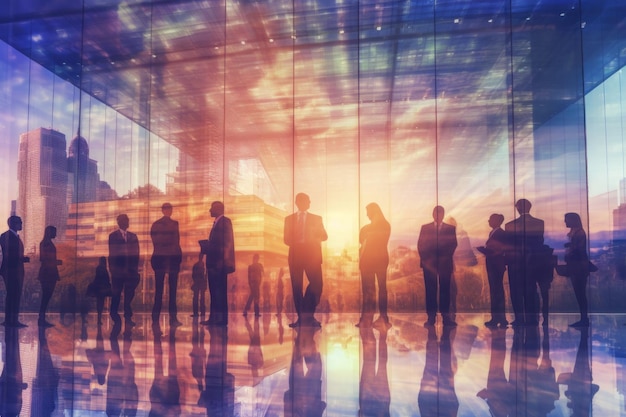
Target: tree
143, 191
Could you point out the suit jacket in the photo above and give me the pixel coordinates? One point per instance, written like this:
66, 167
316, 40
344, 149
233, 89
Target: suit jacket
123, 254
166, 241
524, 237
220, 247
12, 255
436, 247
309, 247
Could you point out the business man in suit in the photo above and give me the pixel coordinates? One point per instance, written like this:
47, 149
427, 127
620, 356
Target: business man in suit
166, 259
436, 245
220, 261
496, 265
525, 243
12, 270
304, 233
124, 267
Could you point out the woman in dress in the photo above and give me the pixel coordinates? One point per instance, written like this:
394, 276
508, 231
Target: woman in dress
48, 272
373, 262
100, 288
577, 264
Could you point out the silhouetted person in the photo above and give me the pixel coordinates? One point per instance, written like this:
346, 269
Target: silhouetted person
304, 233
46, 381
373, 263
280, 292
220, 261
165, 390
11, 380
304, 396
496, 265
525, 242
219, 395
199, 287
48, 272
12, 271
255, 353
436, 245
580, 388
166, 259
122, 391
499, 394
374, 394
100, 287
437, 395
577, 264
255, 276
124, 267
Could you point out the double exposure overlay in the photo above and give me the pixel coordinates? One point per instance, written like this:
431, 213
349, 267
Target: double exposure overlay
427, 108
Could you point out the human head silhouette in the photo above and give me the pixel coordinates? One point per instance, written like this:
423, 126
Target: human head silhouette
123, 222
303, 202
15, 223
50, 232
167, 209
217, 209
496, 220
523, 206
438, 213
572, 220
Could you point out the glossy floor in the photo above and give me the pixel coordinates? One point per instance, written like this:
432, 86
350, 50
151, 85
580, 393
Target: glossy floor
261, 367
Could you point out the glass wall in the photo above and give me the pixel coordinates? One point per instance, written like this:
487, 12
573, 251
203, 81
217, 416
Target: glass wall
409, 104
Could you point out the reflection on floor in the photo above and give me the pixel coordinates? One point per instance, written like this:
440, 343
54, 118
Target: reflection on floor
261, 367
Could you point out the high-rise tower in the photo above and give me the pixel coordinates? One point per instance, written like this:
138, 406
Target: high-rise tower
84, 178
42, 185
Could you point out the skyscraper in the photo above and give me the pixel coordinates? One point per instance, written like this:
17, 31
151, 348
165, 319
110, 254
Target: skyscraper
42, 184
84, 178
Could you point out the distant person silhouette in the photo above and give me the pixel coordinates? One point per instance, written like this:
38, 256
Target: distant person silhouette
525, 242
100, 287
255, 276
437, 395
220, 261
495, 262
124, 267
280, 292
577, 264
436, 245
373, 263
304, 233
199, 287
304, 396
166, 259
12, 271
48, 272
374, 393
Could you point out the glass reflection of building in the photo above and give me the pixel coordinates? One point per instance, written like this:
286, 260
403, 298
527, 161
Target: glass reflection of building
404, 103
42, 178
